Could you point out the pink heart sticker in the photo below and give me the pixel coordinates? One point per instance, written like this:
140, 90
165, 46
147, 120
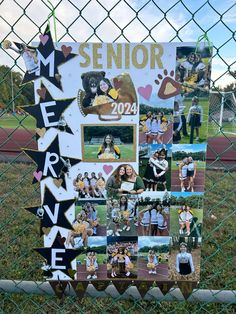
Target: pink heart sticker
38, 175
43, 39
42, 92
66, 50
107, 169
146, 91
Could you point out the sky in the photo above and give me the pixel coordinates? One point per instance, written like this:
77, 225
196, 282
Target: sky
97, 241
185, 147
152, 241
184, 194
150, 16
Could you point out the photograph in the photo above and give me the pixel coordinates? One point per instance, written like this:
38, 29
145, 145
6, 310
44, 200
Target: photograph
155, 124
116, 143
90, 185
186, 214
184, 260
188, 168
124, 180
107, 98
91, 265
154, 214
90, 220
153, 255
155, 166
122, 255
122, 216
193, 71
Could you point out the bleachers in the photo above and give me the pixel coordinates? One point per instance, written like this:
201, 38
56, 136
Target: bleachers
99, 140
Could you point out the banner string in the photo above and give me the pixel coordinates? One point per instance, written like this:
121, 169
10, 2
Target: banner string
52, 14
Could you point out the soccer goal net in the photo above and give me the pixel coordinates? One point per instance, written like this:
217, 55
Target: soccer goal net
222, 113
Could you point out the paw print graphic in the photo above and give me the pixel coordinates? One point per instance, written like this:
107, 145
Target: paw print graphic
169, 87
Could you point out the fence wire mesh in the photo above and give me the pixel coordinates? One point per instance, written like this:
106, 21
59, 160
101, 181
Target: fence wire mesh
110, 21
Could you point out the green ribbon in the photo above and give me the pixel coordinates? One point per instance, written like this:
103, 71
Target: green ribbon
52, 14
206, 40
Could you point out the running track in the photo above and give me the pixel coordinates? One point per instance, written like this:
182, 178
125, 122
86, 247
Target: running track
101, 272
221, 151
198, 181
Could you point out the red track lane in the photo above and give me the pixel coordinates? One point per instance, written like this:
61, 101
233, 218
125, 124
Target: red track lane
11, 142
199, 181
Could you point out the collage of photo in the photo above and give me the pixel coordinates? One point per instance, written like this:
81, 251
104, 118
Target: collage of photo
140, 189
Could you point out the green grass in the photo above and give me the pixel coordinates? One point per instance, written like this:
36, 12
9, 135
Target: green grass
11, 121
100, 258
203, 134
127, 152
174, 219
101, 213
200, 165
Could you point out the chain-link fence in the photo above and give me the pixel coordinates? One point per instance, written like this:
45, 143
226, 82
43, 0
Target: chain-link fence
131, 21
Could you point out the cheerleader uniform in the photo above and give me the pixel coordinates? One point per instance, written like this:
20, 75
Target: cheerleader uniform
162, 224
160, 167
185, 216
108, 154
190, 169
195, 112
184, 263
184, 171
148, 124
177, 126
146, 219
155, 126
130, 210
93, 217
152, 260
154, 220
93, 182
115, 215
86, 181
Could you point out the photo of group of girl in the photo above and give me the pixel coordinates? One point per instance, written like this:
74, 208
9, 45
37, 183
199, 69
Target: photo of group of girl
90, 185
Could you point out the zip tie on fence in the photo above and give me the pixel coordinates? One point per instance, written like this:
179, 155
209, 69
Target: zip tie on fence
52, 14
205, 39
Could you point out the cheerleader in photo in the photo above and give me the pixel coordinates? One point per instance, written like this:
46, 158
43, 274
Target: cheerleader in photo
86, 182
162, 128
29, 54
93, 184
177, 123
161, 221
184, 261
79, 185
128, 264
155, 171
185, 219
191, 173
91, 265
152, 262
155, 124
81, 229
92, 217
116, 217
147, 127
108, 150
114, 263
127, 211
195, 116
160, 166
145, 221
121, 261
183, 168
185, 68
153, 220
199, 68
101, 185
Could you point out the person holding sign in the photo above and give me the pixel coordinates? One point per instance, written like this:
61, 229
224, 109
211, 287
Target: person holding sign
132, 184
108, 150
